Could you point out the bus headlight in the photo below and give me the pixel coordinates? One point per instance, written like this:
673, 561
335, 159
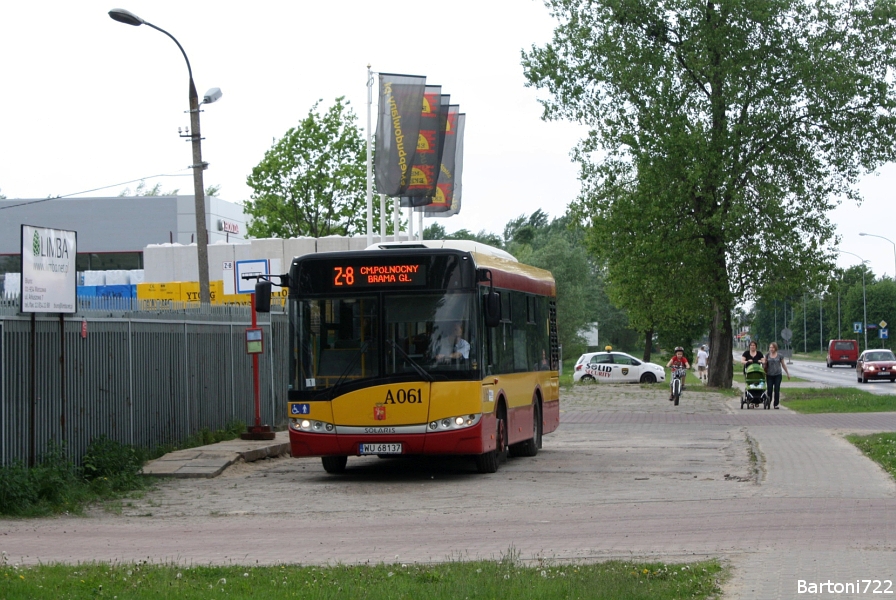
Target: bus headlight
311, 426
454, 423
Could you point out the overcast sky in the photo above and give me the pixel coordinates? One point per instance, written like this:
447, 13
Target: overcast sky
89, 102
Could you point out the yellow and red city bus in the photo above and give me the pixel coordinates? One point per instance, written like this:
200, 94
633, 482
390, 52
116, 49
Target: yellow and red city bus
412, 349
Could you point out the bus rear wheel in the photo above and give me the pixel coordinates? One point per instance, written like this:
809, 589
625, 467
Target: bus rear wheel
488, 462
334, 464
530, 447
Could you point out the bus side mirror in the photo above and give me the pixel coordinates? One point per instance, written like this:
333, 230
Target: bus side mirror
263, 296
492, 309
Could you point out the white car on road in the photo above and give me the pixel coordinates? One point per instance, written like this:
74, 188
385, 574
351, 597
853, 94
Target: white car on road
616, 367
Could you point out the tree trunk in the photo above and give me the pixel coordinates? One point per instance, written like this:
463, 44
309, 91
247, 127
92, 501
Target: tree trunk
720, 347
648, 344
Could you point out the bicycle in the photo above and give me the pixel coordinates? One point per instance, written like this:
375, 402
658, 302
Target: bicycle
678, 375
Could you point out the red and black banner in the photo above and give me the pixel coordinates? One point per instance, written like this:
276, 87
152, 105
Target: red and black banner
445, 184
447, 202
397, 131
430, 144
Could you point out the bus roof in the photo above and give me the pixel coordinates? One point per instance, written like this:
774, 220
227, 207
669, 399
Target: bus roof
515, 275
465, 245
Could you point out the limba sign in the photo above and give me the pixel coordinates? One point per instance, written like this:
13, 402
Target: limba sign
49, 278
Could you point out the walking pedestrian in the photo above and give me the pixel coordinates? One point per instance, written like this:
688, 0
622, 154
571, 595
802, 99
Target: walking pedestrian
702, 363
774, 364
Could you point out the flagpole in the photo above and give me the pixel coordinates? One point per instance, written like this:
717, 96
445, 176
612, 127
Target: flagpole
369, 159
396, 218
382, 218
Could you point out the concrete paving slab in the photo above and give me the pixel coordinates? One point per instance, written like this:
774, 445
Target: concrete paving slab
211, 460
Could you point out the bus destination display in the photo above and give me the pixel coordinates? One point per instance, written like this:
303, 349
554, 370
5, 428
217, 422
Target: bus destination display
361, 275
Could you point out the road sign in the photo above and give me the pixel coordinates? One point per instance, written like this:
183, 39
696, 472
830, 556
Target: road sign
884, 333
857, 328
249, 267
786, 334
883, 324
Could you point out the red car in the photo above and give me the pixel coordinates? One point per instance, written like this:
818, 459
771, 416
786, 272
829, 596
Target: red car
876, 364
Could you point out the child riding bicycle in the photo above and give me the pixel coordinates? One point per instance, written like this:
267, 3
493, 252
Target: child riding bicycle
679, 364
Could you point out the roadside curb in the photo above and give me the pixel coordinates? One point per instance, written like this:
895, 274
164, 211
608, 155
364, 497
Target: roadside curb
210, 461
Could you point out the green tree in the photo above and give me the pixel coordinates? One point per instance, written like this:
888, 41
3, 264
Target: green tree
438, 232
2, 197
727, 131
142, 190
312, 181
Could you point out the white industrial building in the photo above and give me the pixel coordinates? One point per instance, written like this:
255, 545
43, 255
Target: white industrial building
113, 232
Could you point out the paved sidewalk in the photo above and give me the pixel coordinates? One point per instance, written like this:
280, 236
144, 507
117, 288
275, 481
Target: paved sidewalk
211, 460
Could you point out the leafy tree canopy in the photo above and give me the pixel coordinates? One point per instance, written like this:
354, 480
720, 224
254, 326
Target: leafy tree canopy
722, 135
142, 190
312, 182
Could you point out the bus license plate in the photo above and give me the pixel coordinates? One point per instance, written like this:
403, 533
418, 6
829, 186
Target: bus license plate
380, 449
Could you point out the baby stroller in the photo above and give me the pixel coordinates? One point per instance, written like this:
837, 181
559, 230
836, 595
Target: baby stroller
756, 390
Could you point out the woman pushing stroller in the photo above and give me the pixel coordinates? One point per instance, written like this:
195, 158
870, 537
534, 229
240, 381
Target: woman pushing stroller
752, 356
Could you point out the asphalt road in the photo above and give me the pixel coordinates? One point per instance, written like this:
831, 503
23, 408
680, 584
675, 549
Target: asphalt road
837, 376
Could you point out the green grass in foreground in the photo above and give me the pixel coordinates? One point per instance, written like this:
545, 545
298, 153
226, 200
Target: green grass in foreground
501, 579
836, 400
879, 447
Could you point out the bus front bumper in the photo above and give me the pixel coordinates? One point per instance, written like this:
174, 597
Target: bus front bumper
462, 441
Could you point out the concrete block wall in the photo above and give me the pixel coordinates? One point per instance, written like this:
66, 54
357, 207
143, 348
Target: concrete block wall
176, 262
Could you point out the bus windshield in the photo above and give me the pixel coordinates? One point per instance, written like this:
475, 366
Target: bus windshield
340, 340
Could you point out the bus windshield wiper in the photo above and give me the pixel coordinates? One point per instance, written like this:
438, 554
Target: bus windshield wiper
348, 369
420, 370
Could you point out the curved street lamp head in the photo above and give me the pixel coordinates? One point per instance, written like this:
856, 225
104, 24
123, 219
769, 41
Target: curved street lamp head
125, 16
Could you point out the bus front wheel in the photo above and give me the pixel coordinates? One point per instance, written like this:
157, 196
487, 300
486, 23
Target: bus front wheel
488, 462
334, 464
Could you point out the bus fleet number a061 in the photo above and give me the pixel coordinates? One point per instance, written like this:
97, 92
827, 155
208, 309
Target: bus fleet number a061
402, 396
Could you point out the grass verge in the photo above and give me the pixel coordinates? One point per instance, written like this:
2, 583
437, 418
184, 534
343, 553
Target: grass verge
481, 579
879, 447
109, 470
836, 400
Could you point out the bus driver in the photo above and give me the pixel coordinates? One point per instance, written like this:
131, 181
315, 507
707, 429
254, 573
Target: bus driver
460, 348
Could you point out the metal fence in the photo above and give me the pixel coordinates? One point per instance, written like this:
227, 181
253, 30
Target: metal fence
140, 376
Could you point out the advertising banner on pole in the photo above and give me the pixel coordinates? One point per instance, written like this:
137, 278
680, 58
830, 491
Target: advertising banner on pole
49, 277
445, 185
458, 172
397, 131
430, 143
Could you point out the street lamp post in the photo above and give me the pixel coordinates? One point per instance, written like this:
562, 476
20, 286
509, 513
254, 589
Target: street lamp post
864, 302
894, 249
129, 18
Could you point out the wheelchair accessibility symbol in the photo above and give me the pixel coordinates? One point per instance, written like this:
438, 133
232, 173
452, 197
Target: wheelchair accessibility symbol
299, 409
